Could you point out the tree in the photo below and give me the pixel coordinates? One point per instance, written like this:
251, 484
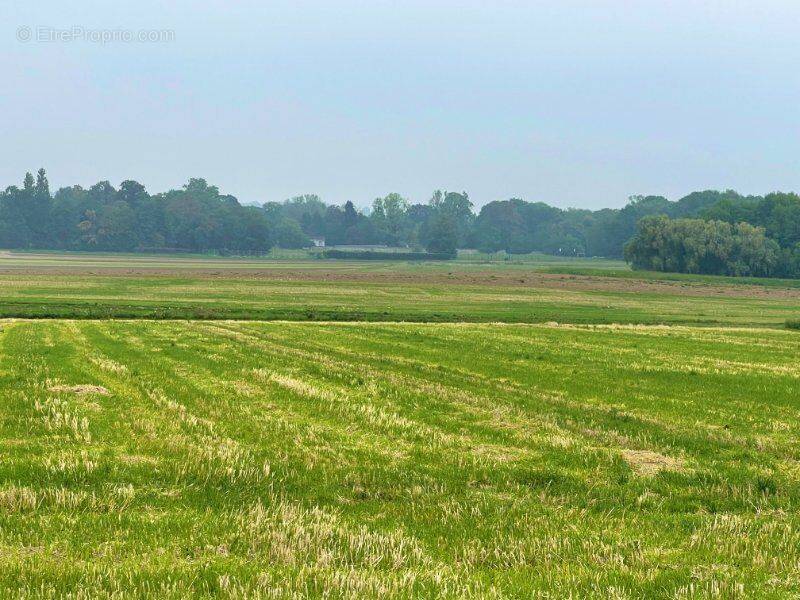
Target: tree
731, 210
288, 234
501, 226
698, 246
116, 227
14, 230
133, 193
306, 205
388, 215
38, 210
42, 186
102, 193
459, 209
255, 235
694, 204
334, 226
363, 232
444, 234
27, 183
779, 214
350, 217
68, 207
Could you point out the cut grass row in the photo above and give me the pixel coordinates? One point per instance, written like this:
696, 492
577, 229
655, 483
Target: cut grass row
388, 460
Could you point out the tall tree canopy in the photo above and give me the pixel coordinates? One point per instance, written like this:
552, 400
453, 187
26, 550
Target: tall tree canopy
199, 218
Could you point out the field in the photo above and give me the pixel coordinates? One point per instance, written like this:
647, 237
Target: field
524, 291
398, 460
252, 458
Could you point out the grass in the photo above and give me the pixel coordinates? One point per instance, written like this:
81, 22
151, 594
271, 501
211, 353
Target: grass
464, 256
471, 289
278, 258
463, 453
688, 278
221, 297
246, 459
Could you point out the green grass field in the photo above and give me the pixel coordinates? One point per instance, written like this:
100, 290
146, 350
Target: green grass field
531, 290
192, 297
282, 259
246, 459
536, 428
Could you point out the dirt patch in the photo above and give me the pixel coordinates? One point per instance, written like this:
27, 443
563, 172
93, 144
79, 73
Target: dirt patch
648, 463
80, 389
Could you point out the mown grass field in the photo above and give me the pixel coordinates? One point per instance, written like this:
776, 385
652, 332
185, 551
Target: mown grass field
466, 290
247, 459
281, 259
475, 428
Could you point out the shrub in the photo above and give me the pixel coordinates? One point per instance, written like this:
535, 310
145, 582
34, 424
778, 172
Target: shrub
793, 324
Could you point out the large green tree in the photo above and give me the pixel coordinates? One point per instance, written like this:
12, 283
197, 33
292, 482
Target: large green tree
699, 246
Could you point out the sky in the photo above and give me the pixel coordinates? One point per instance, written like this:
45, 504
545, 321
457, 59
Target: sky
573, 103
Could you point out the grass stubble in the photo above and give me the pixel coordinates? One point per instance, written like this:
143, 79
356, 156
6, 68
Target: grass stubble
616, 450
179, 459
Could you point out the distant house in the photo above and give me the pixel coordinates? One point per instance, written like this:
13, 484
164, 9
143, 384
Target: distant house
318, 242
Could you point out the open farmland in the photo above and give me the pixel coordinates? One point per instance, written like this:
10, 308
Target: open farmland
176, 459
532, 291
513, 438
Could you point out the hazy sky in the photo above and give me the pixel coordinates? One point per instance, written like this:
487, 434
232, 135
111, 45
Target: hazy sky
571, 103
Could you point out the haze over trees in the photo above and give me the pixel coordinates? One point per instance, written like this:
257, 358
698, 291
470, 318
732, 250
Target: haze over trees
199, 218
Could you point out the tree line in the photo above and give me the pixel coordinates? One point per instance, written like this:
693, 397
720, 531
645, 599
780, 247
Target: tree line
195, 218
198, 218
738, 236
